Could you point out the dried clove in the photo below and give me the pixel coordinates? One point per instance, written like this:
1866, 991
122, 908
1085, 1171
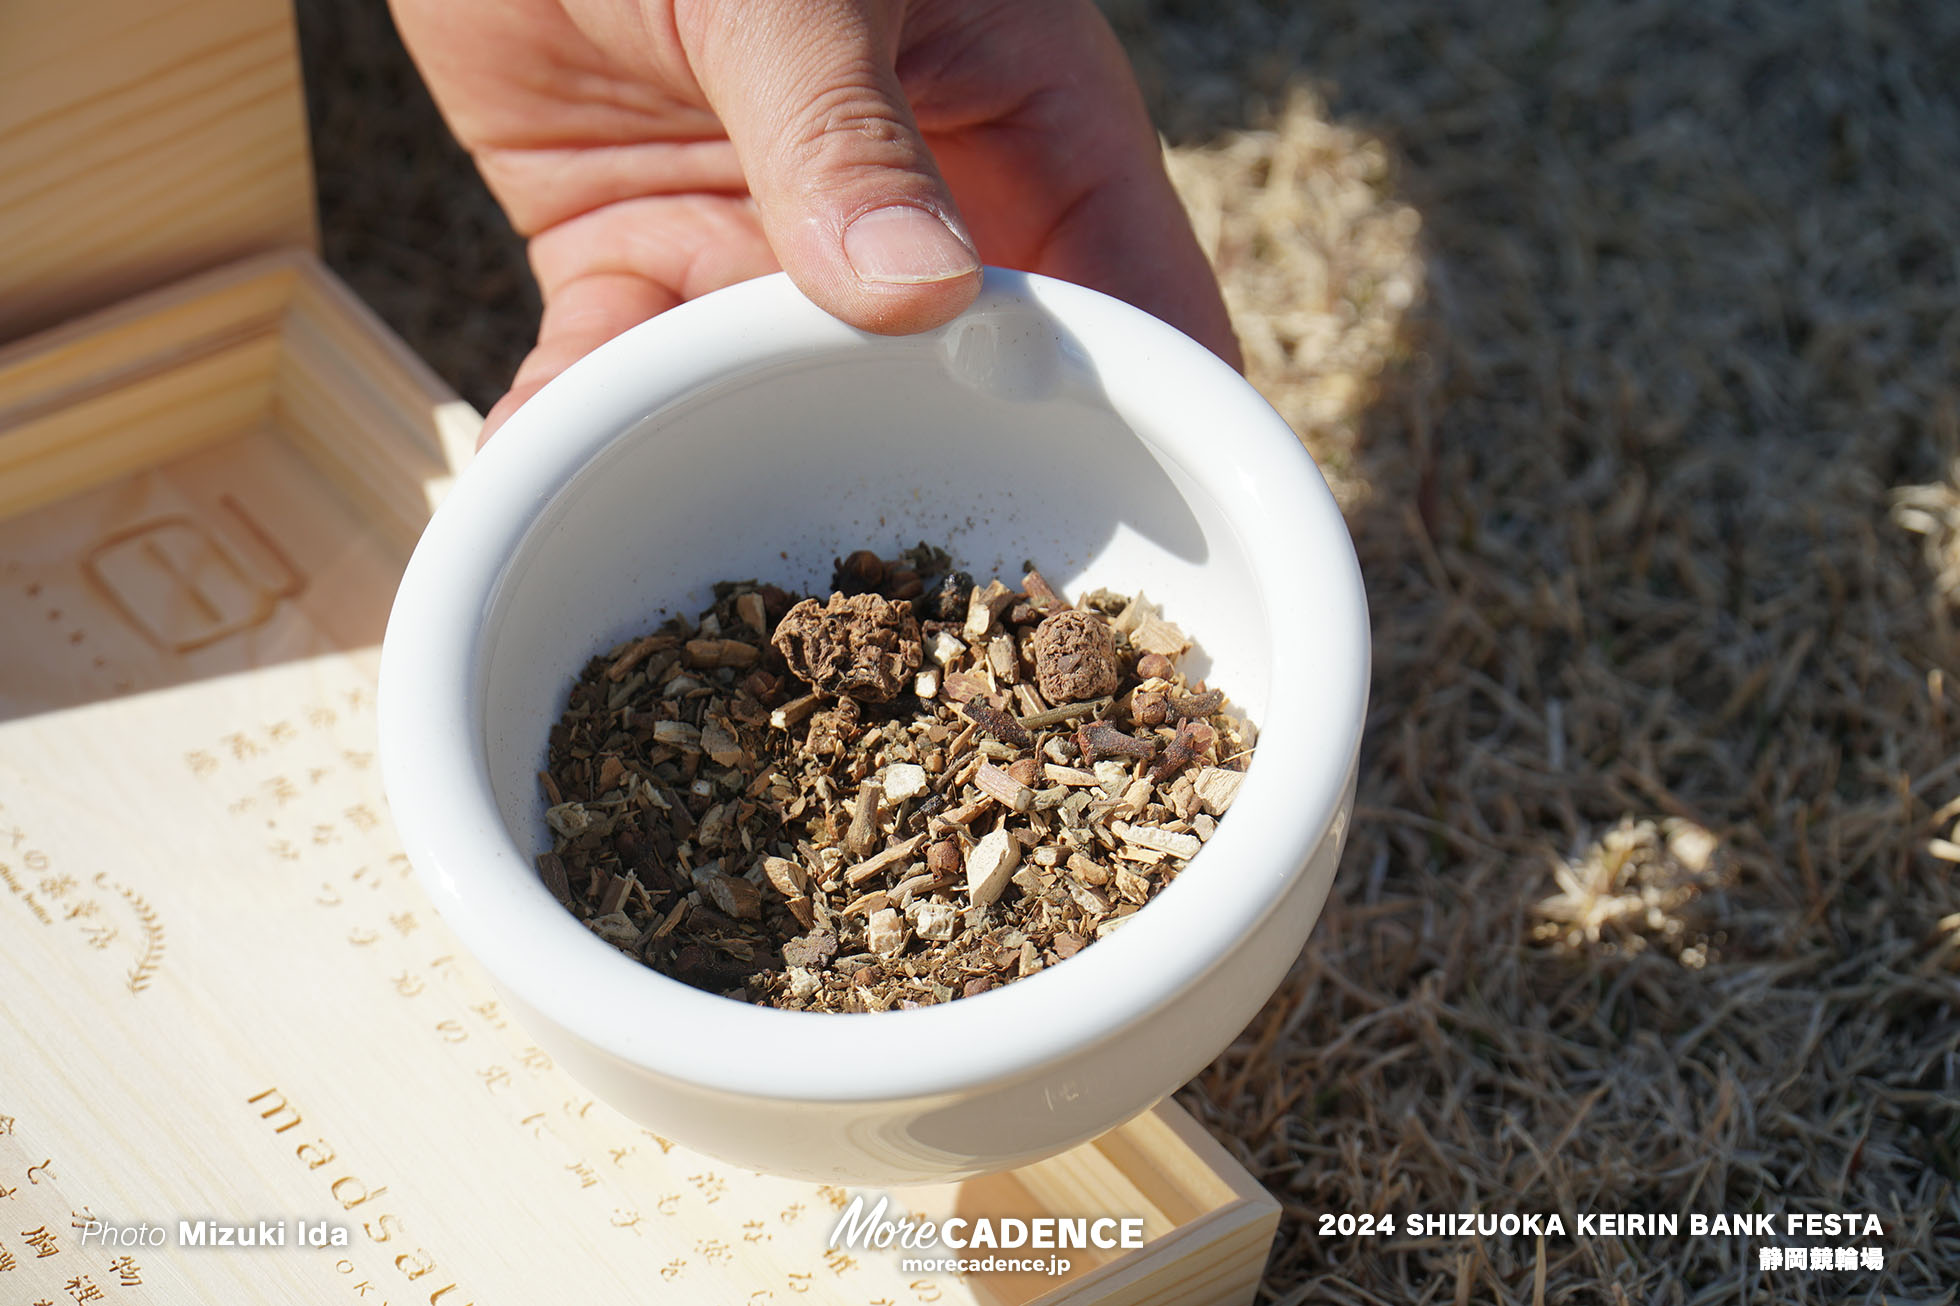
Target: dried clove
1096, 739
1193, 738
997, 723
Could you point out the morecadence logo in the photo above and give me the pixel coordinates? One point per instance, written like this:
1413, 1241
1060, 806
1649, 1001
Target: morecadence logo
865, 1225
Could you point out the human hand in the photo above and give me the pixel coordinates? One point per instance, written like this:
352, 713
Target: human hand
876, 150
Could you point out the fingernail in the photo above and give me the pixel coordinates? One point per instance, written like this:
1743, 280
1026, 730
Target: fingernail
906, 246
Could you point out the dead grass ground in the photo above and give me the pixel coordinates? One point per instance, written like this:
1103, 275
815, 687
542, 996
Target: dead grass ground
1629, 334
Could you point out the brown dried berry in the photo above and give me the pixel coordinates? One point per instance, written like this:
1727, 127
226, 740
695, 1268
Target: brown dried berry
943, 858
1075, 657
1027, 771
1154, 666
860, 647
1149, 708
861, 571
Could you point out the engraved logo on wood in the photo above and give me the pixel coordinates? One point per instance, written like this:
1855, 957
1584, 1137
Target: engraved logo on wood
184, 587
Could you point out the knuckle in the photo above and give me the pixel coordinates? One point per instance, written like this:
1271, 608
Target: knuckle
855, 120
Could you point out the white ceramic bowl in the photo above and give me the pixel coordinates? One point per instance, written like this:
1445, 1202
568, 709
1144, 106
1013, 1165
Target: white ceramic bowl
748, 434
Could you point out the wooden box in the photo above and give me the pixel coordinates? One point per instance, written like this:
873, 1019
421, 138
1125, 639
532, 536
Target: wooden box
222, 996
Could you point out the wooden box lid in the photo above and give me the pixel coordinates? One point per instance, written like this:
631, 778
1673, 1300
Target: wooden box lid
142, 141
207, 926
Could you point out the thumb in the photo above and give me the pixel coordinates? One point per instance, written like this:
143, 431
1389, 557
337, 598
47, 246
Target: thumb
848, 194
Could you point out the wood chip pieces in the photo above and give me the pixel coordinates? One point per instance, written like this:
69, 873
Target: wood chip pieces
916, 790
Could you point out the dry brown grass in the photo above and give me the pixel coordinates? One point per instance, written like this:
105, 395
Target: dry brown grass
1629, 334
1655, 492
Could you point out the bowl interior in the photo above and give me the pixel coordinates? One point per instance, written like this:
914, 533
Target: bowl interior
747, 434
995, 441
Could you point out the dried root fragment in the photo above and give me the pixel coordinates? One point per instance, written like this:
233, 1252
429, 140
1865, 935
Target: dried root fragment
1217, 788
990, 865
936, 921
885, 933
749, 607
904, 780
731, 895
789, 877
720, 744
814, 949
861, 646
983, 608
1157, 839
1003, 788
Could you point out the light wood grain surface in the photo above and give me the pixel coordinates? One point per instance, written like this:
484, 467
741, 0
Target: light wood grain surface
140, 143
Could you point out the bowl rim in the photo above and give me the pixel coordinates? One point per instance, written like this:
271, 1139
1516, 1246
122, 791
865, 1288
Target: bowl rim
1245, 457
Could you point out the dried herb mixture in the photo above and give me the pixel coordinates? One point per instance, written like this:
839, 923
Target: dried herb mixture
913, 791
